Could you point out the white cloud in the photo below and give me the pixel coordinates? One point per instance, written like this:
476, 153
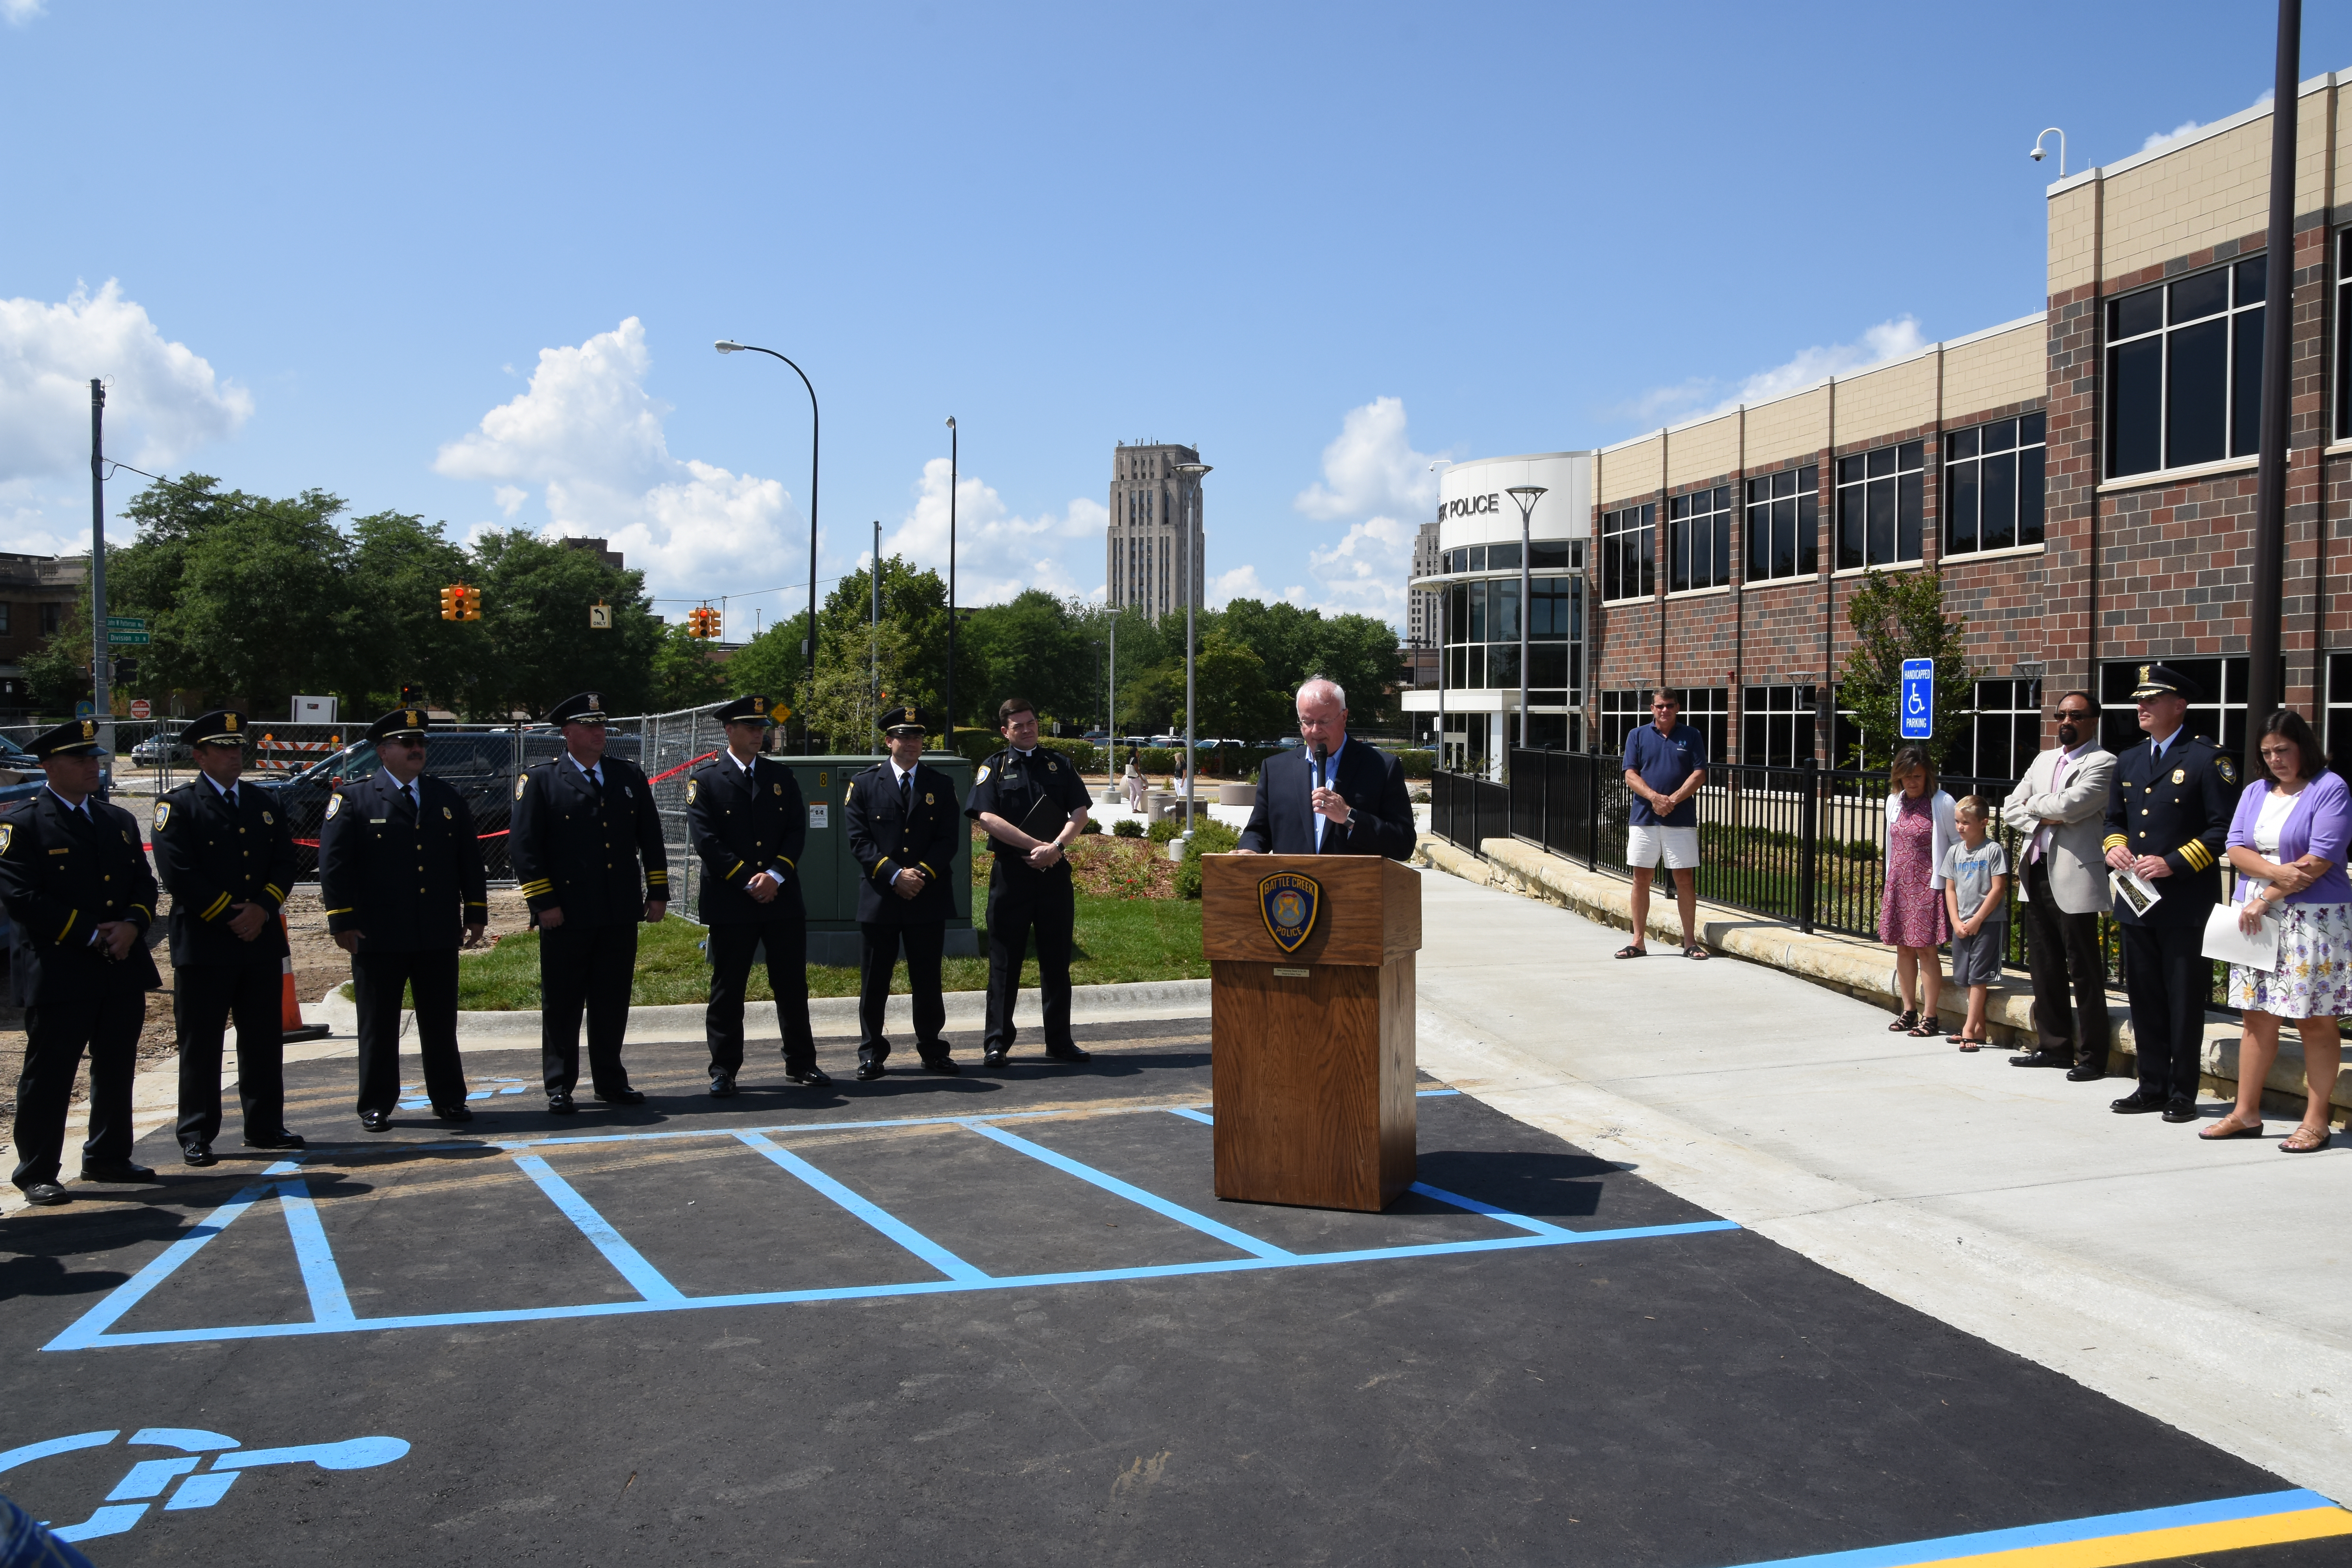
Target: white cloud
589, 433
2158, 141
162, 400
1366, 571
998, 555
1371, 467
1808, 367
21, 13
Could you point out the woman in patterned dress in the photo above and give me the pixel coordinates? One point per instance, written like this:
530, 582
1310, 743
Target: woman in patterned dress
2287, 843
1919, 827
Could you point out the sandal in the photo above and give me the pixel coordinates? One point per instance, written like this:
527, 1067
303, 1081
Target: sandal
1695, 951
1903, 1023
1927, 1029
2304, 1141
2214, 1134
1632, 950
1965, 1044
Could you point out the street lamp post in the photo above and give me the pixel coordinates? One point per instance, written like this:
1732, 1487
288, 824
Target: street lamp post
1192, 471
1526, 495
808, 647
874, 637
953, 440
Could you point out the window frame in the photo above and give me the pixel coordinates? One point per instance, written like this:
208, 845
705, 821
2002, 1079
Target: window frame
1973, 462
2344, 334
1762, 710
1690, 532
1629, 544
1898, 470
1761, 498
2239, 317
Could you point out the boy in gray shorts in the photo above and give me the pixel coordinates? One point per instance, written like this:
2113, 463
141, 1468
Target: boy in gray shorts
1975, 886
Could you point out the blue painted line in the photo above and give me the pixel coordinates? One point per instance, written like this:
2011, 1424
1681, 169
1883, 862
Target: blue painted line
881, 1219
1188, 1114
2257, 1505
84, 1329
628, 1259
202, 1491
320, 1277
1433, 1093
1489, 1210
109, 1520
12, 1457
1133, 1194
148, 1478
187, 1439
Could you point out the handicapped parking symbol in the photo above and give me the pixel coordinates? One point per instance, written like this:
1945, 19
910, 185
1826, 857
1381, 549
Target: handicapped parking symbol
149, 1479
412, 1096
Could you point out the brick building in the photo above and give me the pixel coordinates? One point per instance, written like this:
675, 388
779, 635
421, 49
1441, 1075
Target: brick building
37, 594
2115, 427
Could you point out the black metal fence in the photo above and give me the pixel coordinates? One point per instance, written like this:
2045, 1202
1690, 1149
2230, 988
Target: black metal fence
1805, 845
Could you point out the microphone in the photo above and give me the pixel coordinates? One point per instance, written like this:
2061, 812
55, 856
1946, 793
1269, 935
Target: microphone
1322, 754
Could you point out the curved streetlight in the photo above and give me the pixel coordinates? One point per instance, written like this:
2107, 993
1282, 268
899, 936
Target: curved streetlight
1526, 495
954, 438
1192, 471
808, 649
2038, 154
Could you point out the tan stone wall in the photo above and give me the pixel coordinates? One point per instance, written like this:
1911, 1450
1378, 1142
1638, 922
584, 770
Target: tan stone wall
1993, 372
1630, 470
1788, 428
1900, 396
1703, 451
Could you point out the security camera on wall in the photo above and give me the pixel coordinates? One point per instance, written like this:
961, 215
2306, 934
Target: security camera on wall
2036, 154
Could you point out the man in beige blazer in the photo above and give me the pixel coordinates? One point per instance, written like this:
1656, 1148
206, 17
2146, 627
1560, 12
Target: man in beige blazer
2059, 810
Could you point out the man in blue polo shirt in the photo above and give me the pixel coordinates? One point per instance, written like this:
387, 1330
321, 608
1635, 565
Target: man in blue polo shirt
1665, 763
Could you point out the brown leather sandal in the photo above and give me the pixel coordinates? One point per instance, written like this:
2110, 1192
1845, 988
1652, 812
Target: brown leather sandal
2304, 1141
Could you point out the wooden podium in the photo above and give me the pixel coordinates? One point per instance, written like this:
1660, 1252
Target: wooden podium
1311, 1050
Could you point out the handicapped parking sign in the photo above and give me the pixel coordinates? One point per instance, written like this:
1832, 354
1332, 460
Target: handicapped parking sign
1918, 718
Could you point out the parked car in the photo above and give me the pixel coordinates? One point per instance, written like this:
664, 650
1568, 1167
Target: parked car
159, 748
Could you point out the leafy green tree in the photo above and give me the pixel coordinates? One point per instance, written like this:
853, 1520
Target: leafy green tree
403, 564
685, 673
771, 663
1897, 616
59, 670
536, 595
1231, 697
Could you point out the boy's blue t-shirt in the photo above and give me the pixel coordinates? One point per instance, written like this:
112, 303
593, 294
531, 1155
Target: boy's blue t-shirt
1970, 872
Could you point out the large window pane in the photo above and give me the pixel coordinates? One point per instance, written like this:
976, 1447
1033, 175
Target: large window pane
2135, 407
2030, 495
2246, 386
1910, 514
1853, 527
1999, 480
2135, 313
1960, 507
1881, 521
1809, 528
1503, 611
2207, 294
1547, 665
2195, 395
1784, 539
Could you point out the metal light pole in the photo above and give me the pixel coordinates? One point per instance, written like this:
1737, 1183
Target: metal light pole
874, 637
2262, 692
101, 702
954, 440
1192, 471
1526, 495
808, 648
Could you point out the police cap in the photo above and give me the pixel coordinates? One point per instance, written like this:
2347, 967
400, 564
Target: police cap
745, 710
905, 717
586, 708
2163, 680
399, 724
74, 738
221, 727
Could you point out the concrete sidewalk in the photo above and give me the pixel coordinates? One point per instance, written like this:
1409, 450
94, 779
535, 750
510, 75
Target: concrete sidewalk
2198, 1283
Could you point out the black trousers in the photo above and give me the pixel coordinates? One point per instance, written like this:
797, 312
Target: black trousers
204, 996
107, 1024
880, 941
585, 968
2070, 978
431, 975
1020, 901
2169, 979
731, 973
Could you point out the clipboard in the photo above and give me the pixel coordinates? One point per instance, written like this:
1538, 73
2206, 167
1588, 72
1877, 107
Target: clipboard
1045, 820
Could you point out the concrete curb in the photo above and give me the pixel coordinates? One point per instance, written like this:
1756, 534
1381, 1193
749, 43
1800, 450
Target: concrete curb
1863, 970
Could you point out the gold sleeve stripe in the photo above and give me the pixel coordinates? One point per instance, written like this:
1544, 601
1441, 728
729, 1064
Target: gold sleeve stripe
881, 865
341, 911
926, 864
476, 904
144, 911
71, 916
274, 890
534, 890
213, 911
732, 869
787, 860
657, 876
2197, 855
2113, 841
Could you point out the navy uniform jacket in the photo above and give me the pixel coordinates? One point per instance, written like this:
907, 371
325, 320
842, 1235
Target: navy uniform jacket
61, 877
1380, 814
577, 849
213, 857
741, 827
410, 879
887, 840
1010, 785
2178, 808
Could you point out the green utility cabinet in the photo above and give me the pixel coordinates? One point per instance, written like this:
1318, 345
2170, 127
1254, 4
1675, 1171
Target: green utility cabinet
829, 873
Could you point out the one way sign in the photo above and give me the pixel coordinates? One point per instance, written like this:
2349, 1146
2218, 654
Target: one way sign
1919, 699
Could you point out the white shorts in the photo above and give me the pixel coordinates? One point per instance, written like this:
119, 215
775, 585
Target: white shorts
1679, 846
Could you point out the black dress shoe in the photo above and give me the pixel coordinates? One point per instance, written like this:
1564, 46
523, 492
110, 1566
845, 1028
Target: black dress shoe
996, 1059
376, 1120
1068, 1054
722, 1085
281, 1139
118, 1171
2139, 1102
562, 1105
868, 1071
623, 1097
2085, 1072
944, 1065
2042, 1059
460, 1111
811, 1077
47, 1195
198, 1155
2181, 1108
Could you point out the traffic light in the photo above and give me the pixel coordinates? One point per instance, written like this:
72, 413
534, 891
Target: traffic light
410, 695
450, 597
710, 619
702, 622
460, 603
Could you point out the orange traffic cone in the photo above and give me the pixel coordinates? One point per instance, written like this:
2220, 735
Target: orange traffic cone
290, 1006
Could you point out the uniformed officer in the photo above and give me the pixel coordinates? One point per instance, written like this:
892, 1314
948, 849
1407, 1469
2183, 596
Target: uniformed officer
1031, 804
2168, 818
400, 872
745, 817
904, 828
582, 824
226, 854
79, 889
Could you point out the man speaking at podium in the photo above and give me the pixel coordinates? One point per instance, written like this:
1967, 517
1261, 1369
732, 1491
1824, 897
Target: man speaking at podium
1329, 798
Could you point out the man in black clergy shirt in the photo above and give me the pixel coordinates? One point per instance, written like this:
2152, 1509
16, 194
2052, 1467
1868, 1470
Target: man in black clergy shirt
227, 852
400, 872
1031, 804
580, 824
1348, 800
905, 828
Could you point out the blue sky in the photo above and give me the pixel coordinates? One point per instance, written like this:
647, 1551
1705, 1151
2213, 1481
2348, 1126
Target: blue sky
468, 260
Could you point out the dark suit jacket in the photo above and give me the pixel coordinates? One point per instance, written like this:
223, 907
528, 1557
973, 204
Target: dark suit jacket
1380, 816
2178, 807
412, 879
61, 879
575, 851
886, 841
212, 858
742, 826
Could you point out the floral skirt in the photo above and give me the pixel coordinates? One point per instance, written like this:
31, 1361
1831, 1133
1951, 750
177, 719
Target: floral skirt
2313, 977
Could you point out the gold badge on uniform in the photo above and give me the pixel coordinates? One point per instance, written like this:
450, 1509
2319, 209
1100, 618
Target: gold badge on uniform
334, 804
2180, 775
2226, 769
690, 792
778, 788
162, 814
448, 814
522, 782
927, 798
268, 820
1052, 766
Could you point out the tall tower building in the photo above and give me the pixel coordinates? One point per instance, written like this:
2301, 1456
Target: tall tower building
1155, 526
1420, 605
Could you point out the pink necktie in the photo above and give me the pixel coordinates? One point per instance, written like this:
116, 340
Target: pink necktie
2057, 783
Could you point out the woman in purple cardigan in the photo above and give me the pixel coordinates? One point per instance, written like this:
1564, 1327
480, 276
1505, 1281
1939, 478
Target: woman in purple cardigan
2288, 843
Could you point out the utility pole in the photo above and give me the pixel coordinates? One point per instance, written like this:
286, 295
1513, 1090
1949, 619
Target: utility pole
102, 699
955, 454
874, 637
2262, 692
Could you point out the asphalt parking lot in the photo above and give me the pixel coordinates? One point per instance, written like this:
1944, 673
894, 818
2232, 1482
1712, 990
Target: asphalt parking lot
1002, 1318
